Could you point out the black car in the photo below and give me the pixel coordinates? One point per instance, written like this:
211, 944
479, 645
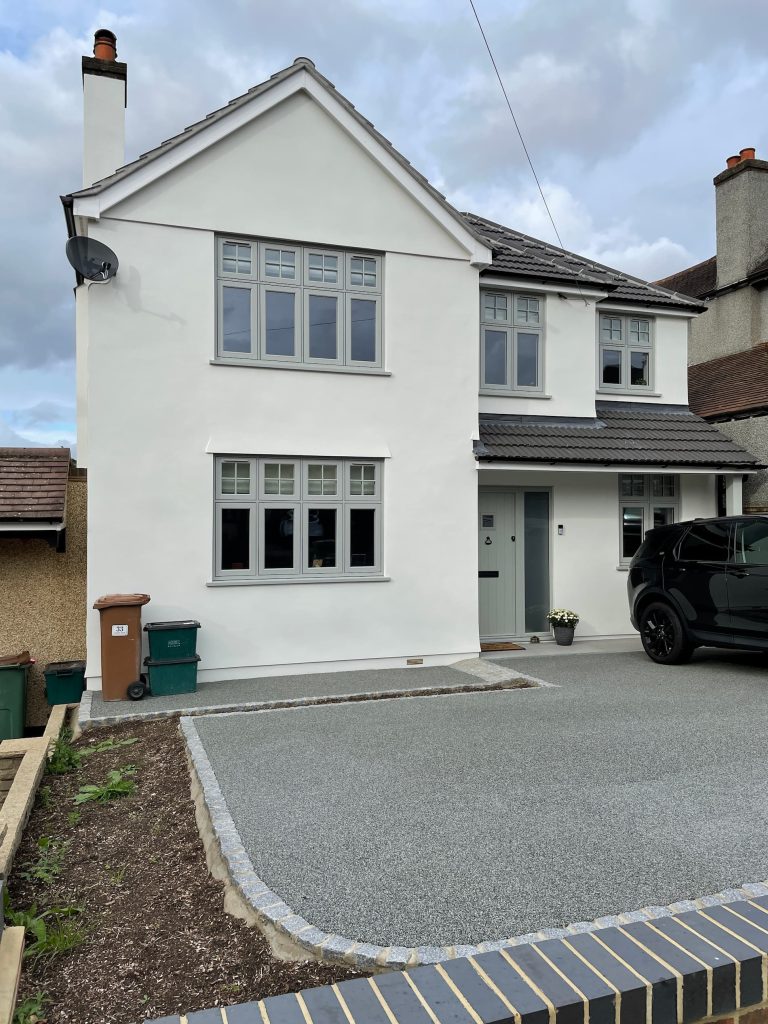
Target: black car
701, 583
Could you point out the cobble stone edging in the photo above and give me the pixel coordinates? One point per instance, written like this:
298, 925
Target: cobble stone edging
274, 914
487, 680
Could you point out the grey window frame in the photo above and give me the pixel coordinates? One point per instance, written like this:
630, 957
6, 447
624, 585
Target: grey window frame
301, 502
298, 315
626, 347
258, 283
512, 327
647, 502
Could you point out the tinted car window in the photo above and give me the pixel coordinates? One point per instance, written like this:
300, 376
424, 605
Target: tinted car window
655, 541
752, 543
705, 542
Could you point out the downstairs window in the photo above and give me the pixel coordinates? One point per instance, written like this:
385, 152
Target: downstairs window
287, 518
646, 500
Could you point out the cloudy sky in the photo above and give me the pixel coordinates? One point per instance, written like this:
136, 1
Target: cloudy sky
629, 108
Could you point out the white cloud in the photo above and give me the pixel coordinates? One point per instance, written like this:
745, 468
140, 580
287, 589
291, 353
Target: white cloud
616, 244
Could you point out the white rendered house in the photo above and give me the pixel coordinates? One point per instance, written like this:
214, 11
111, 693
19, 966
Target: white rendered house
341, 423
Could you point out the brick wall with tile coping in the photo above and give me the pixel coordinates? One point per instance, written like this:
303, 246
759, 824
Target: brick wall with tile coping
700, 965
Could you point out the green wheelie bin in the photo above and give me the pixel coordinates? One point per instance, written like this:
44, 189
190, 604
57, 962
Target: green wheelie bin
14, 669
64, 682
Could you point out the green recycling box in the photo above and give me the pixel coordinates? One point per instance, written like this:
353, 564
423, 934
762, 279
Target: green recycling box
13, 696
172, 640
169, 677
64, 682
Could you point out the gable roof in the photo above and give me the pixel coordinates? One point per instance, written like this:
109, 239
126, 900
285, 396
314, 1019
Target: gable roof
699, 280
730, 385
622, 433
302, 74
33, 484
517, 254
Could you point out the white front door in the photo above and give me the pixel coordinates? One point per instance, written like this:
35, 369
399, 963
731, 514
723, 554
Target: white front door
497, 563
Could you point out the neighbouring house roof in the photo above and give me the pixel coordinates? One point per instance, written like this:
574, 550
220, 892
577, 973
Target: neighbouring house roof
699, 280
33, 485
523, 256
730, 386
621, 433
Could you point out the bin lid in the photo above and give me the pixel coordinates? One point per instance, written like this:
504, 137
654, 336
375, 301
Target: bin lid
22, 658
64, 667
180, 624
158, 662
121, 600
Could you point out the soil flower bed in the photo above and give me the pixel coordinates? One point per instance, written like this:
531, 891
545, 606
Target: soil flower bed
134, 926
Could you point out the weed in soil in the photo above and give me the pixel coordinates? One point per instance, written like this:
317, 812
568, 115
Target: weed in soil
156, 938
117, 785
52, 931
47, 866
67, 758
32, 1009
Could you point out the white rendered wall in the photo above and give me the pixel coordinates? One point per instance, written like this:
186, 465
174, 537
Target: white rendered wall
584, 560
156, 404
571, 363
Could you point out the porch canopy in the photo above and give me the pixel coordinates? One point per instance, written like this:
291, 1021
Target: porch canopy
620, 434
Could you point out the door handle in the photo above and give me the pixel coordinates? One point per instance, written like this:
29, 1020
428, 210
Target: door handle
512, 538
740, 573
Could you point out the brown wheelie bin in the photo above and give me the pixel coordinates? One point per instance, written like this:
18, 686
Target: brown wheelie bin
120, 643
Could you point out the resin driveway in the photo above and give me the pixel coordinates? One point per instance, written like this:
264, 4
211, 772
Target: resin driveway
475, 817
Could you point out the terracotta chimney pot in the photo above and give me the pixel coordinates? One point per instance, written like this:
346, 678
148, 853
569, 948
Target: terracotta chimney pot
105, 45
732, 161
748, 153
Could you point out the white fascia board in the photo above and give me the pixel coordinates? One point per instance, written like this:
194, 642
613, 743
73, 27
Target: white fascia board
234, 444
625, 307
95, 206
585, 467
525, 284
30, 526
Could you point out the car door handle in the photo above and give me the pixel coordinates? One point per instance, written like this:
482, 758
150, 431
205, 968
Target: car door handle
740, 573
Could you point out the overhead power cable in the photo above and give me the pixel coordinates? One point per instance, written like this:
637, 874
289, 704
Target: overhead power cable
514, 119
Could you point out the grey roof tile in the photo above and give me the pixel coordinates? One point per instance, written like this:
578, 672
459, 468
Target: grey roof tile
519, 254
621, 433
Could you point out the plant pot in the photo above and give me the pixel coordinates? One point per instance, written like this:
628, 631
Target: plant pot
563, 635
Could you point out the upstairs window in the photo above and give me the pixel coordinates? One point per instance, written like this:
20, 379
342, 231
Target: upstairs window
511, 341
626, 353
285, 304
646, 501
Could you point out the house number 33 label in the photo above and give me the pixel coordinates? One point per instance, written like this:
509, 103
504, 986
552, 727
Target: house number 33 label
120, 630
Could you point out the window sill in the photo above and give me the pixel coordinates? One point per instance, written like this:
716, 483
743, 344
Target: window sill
635, 394
296, 579
509, 393
622, 568
367, 371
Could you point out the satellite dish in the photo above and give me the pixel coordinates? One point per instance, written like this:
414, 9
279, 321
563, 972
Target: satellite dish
93, 260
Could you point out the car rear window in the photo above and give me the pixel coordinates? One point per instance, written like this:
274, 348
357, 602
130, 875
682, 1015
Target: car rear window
705, 542
654, 542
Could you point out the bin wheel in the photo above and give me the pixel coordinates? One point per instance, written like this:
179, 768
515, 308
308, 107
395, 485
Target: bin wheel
136, 691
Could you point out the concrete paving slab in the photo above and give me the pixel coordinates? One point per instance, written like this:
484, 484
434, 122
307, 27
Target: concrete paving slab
468, 818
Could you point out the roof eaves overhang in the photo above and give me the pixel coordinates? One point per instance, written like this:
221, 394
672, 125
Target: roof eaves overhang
569, 286
93, 202
484, 461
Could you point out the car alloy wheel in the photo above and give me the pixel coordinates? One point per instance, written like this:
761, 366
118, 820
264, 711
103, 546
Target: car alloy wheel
659, 633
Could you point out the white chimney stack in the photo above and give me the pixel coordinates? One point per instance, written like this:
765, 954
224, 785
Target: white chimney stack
104, 100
